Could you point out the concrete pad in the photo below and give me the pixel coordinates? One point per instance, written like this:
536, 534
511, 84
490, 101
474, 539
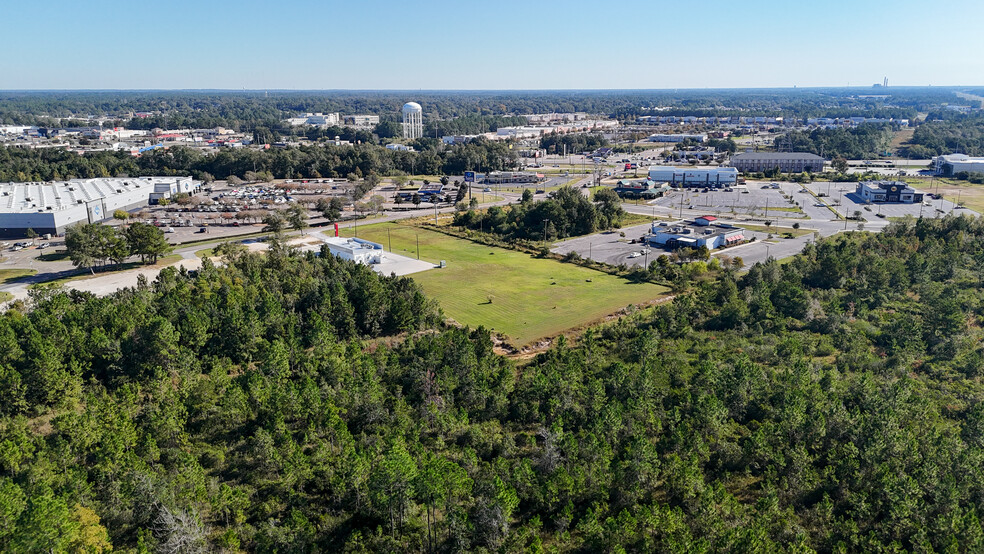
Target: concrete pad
391, 264
400, 265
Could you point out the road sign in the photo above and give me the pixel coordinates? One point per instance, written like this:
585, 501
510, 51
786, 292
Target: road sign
469, 176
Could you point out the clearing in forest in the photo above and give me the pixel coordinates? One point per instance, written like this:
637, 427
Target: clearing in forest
531, 298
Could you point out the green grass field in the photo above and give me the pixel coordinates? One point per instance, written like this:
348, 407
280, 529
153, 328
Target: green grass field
11, 275
531, 298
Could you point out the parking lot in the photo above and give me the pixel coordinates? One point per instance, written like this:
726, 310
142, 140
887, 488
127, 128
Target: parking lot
842, 198
752, 202
611, 248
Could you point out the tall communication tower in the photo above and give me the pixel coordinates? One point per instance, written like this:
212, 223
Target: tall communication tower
413, 121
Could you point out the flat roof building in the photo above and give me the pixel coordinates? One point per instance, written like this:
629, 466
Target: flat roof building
716, 177
951, 164
317, 119
888, 191
701, 232
50, 207
787, 162
361, 120
676, 137
504, 177
360, 251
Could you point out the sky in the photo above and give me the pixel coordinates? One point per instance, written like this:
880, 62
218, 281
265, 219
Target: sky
472, 45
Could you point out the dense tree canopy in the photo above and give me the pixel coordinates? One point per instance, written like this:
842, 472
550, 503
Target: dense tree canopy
830, 404
305, 162
568, 213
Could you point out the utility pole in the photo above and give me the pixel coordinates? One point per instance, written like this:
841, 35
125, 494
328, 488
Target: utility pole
389, 239
418, 246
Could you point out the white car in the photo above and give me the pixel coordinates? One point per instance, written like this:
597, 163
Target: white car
635, 255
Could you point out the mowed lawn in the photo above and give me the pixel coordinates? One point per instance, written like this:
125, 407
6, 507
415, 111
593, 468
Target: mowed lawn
531, 298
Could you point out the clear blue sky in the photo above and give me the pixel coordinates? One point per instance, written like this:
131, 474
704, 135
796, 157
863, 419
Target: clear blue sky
503, 44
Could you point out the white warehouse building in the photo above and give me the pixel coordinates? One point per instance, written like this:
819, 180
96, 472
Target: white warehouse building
358, 250
716, 177
51, 207
951, 164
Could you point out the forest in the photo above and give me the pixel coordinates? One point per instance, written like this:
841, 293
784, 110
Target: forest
304, 162
295, 403
568, 213
948, 133
864, 141
245, 110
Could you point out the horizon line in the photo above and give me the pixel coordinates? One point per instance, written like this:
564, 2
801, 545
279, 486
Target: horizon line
543, 90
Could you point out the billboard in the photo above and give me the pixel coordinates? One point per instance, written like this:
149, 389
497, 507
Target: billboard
469, 176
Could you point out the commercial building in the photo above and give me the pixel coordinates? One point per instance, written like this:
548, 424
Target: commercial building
361, 120
512, 177
787, 162
318, 119
888, 191
640, 189
676, 137
704, 231
711, 177
51, 207
399, 147
451, 140
430, 192
357, 250
951, 164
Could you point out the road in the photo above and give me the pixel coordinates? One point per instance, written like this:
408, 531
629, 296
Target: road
787, 205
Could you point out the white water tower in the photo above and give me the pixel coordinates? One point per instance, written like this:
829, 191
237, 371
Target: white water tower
413, 121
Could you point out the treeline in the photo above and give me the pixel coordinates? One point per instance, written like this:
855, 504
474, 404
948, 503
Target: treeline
305, 162
567, 214
948, 133
244, 111
864, 141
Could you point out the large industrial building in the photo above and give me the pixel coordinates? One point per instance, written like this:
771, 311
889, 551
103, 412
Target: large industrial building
888, 191
703, 231
413, 121
50, 207
951, 164
787, 162
712, 177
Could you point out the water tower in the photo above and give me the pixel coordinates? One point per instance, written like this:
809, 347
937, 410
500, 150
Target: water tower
413, 121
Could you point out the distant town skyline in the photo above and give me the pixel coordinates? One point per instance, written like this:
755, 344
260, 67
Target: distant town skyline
442, 45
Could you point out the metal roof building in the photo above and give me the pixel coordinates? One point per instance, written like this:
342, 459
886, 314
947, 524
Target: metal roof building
50, 207
694, 176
